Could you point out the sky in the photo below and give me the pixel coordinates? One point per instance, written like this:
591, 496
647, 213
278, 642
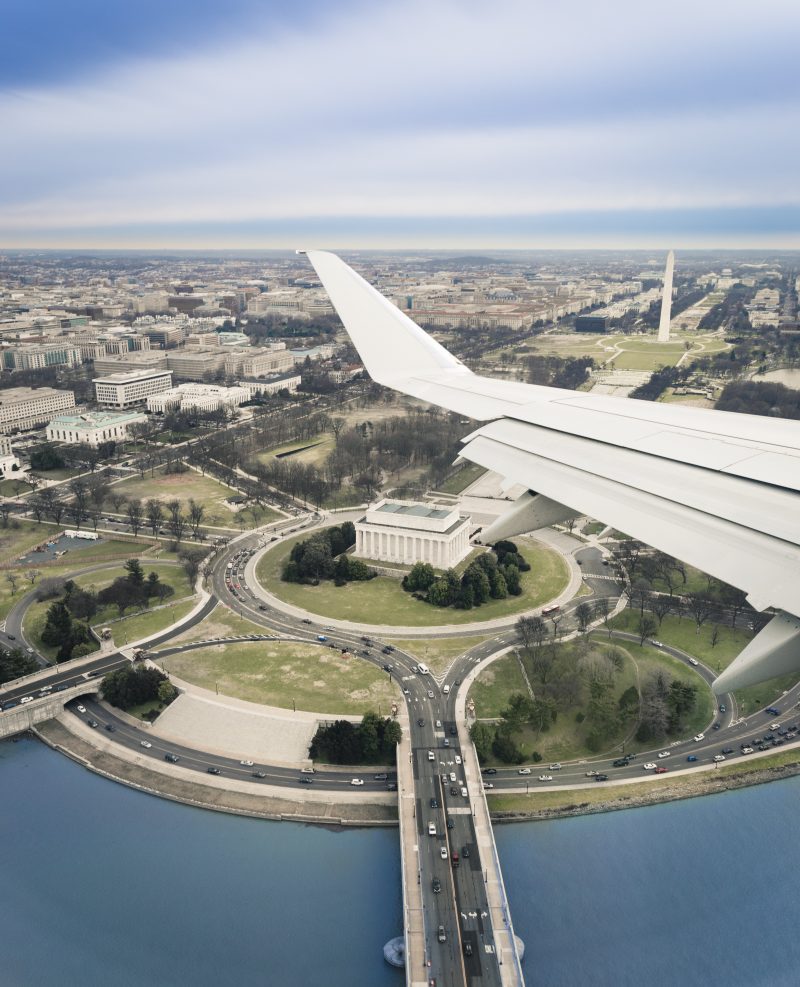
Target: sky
399, 124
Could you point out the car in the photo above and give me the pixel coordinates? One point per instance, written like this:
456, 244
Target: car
420, 722
262, 606
446, 741
172, 758
468, 949
45, 689
621, 762
443, 852
305, 780
649, 766
387, 668
434, 803
692, 757
453, 732
693, 661
465, 851
601, 777
487, 785
61, 688
727, 750
772, 710
406, 692
26, 699
357, 782
259, 774
145, 743
211, 770
441, 935
719, 757
774, 726
430, 694
81, 709
392, 786
545, 777
246, 764
436, 885
698, 737
450, 824
30, 651
661, 770
110, 727
306, 620
93, 723
11, 637
555, 767
716, 726
591, 774
665, 754
489, 771
458, 759
657, 644
523, 771
306, 771
381, 776
747, 750
453, 790
438, 724
10, 705
431, 756
464, 792
723, 708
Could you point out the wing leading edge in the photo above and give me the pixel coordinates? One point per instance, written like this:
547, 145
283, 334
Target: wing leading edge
718, 490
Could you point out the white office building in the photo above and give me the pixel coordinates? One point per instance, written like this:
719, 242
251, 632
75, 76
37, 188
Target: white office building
92, 427
197, 397
408, 532
127, 390
22, 408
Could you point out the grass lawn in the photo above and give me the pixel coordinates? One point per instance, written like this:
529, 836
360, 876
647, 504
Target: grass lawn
437, 652
459, 481
280, 673
383, 601
143, 624
683, 634
594, 528
183, 486
314, 451
20, 536
221, 622
143, 708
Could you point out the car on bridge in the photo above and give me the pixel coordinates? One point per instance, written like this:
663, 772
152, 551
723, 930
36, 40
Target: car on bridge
545, 777
436, 885
665, 754
649, 766
357, 782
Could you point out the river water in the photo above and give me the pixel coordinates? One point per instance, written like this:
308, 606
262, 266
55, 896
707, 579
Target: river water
104, 885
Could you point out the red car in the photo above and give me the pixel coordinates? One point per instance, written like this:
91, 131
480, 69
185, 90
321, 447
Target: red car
661, 771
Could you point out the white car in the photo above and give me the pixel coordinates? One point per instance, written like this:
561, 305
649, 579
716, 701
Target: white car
545, 777
665, 754
430, 694
719, 757
693, 661
592, 774
357, 782
303, 771
431, 756
81, 709
487, 785
247, 764
774, 726
145, 743
747, 750
458, 759
524, 771
656, 644
555, 767
699, 737
26, 699
650, 766
443, 852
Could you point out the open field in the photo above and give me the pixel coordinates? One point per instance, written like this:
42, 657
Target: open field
287, 673
383, 601
184, 486
143, 624
468, 474
314, 451
221, 622
683, 634
437, 652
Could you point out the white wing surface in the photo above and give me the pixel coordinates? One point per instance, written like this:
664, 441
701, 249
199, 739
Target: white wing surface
718, 490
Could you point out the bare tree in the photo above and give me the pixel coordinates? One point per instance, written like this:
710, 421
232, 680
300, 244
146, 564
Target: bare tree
155, 514
134, 513
583, 614
12, 579
660, 605
177, 520
80, 497
32, 575
196, 513
117, 499
700, 607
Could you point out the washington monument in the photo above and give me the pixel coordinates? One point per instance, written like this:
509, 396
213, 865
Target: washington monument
666, 301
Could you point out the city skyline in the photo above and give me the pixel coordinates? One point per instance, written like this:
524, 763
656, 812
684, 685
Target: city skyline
408, 126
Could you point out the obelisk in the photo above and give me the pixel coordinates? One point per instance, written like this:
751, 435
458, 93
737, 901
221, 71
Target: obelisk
666, 301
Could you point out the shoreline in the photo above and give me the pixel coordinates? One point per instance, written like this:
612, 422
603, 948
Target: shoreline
502, 808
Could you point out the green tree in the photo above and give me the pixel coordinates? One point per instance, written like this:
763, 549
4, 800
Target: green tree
135, 572
482, 736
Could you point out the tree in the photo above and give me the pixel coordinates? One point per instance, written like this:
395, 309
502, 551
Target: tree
14, 664
196, 513
166, 692
134, 513
82, 604
700, 607
12, 579
583, 614
176, 523
57, 632
154, 513
135, 573
420, 578
191, 559
79, 490
482, 736
131, 685
32, 575
660, 605
645, 628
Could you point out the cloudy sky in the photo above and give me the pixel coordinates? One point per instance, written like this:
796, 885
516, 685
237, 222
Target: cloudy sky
399, 123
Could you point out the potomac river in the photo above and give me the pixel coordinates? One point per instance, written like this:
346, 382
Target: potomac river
102, 884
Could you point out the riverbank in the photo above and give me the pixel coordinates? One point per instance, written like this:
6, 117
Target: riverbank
206, 796
539, 806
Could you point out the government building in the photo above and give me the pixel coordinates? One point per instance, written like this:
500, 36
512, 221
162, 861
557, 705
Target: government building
408, 532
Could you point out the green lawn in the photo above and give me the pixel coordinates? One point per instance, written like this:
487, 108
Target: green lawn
280, 673
143, 624
683, 634
314, 451
459, 481
437, 652
183, 486
383, 601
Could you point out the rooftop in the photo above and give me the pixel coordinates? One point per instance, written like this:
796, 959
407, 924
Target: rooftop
95, 419
413, 510
132, 376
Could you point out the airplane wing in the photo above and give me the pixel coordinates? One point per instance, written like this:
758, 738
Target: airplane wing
721, 491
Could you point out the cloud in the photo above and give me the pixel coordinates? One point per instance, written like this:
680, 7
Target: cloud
440, 109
